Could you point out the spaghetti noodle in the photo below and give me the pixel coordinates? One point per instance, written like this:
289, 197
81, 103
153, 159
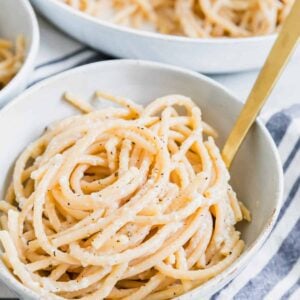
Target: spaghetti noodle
11, 59
193, 18
121, 203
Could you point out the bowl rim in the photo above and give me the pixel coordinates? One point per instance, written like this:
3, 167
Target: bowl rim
31, 54
221, 279
157, 35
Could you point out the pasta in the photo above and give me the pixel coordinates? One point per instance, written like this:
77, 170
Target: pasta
11, 59
192, 18
123, 202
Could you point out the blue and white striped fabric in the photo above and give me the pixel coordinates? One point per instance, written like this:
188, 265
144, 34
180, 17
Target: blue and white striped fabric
274, 273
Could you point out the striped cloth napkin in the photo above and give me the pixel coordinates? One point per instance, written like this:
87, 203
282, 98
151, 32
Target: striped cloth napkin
274, 273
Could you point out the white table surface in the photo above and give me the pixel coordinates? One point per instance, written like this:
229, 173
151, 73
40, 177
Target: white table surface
286, 93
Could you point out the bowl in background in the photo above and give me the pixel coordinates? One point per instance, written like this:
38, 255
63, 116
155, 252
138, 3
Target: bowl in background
214, 55
256, 172
17, 17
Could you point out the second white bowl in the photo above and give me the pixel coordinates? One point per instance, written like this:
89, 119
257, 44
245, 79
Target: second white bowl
217, 55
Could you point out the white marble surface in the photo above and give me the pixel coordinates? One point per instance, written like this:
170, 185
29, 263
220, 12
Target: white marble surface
286, 92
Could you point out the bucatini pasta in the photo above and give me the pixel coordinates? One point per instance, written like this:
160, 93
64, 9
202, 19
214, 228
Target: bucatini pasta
125, 202
196, 19
11, 59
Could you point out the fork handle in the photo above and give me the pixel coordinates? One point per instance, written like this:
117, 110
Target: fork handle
265, 82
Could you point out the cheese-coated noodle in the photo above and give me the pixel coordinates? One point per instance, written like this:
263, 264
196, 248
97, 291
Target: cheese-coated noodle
11, 59
192, 18
123, 202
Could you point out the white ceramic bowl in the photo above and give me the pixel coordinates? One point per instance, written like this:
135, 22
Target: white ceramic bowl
17, 17
256, 172
205, 55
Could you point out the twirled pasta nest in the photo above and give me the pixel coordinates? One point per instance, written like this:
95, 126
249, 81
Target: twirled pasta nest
121, 203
